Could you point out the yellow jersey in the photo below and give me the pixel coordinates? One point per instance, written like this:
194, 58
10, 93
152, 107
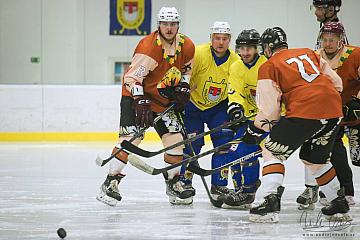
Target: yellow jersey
209, 81
242, 85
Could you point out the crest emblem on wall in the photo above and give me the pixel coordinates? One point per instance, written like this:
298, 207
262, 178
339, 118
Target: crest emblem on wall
130, 17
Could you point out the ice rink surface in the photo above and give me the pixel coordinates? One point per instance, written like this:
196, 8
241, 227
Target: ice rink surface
48, 185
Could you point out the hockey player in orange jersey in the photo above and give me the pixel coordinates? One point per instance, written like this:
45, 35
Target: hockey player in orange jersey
302, 81
158, 75
345, 60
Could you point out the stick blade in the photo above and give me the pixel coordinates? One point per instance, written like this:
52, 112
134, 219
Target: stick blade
197, 170
99, 161
135, 149
140, 164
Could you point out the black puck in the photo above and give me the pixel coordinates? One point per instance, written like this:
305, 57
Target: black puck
61, 232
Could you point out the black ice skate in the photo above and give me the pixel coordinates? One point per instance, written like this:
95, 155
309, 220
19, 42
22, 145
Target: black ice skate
219, 191
189, 187
109, 192
338, 209
241, 199
308, 198
177, 193
268, 211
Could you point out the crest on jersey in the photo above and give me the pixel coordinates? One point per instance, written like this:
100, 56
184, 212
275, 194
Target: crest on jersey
213, 91
167, 84
130, 17
250, 98
224, 173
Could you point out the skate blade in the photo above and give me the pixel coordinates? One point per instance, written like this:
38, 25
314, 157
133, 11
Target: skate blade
106, 199
246, 206
178, 201
268, 218
306, 207
339, 217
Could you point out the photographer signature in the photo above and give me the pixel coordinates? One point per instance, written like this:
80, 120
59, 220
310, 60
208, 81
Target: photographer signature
321, 225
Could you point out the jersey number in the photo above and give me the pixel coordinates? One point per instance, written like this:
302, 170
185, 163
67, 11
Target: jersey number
299, 61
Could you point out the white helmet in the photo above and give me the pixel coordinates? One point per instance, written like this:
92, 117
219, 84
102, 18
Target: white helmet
220, 27
168, 14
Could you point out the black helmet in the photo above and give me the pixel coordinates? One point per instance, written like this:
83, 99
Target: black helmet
275, 37
335, 3
248, 37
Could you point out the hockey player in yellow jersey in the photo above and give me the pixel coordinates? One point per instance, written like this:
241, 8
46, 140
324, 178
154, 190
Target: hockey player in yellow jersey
242, 90
209, 100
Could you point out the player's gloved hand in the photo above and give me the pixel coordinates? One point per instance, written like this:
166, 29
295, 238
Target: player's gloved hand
253, 135
352, 110
236, 112
143, 114
181, 95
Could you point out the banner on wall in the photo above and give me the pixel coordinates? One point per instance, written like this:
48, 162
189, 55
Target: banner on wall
130, 17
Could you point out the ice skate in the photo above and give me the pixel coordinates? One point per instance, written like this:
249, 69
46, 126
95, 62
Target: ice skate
178, 195
219, 191
189, 200
338, 209
109, 192
268, 211
308, 198
239, 200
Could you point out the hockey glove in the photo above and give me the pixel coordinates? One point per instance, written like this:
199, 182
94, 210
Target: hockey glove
143, 113
253, 135
235, 111
181, 95
352, 110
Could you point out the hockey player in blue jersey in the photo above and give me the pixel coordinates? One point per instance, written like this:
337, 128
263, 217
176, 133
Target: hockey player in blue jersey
242, 90
209, 101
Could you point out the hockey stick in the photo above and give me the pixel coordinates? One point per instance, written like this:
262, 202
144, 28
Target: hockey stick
144, 153
206, 172
214, 202
101, 162
140, 164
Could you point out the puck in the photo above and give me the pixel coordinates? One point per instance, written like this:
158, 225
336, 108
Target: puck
61, 232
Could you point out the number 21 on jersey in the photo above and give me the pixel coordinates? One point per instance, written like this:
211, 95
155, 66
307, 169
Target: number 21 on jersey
299, 60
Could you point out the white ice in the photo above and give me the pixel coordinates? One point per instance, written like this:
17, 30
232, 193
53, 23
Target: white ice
45, 186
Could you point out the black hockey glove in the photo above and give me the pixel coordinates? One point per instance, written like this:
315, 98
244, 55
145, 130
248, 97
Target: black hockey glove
181, 95
236, 112
253, 135
352, 110
143, 114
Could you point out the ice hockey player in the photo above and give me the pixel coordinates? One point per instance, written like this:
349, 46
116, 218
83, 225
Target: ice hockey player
158, 75
345, 60
242, 91
209, 100
302, 81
